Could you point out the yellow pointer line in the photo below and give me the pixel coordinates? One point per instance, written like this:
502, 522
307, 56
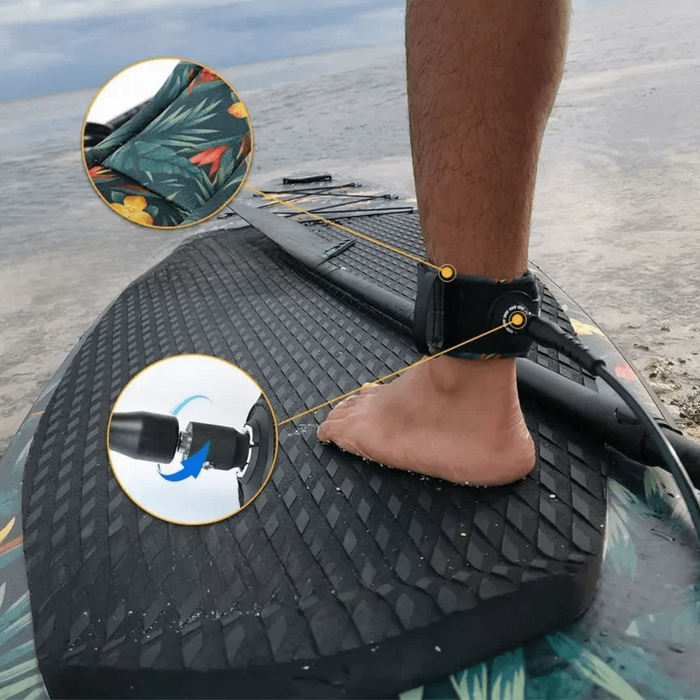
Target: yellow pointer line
393, 374
381, 244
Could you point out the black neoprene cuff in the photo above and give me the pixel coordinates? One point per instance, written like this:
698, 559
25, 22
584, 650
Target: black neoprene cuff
449, 313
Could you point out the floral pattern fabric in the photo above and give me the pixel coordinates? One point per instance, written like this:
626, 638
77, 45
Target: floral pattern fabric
134, 202
177, 81
188, 150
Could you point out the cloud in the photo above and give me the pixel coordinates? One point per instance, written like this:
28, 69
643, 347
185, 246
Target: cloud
72, 54
26, 60
29, 11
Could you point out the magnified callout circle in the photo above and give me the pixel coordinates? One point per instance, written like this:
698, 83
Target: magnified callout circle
167, 143
192, 439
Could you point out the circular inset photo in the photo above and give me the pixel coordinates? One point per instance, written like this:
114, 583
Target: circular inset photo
192, 439
167, 143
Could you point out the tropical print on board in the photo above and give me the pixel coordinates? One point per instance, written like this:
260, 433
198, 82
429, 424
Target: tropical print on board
637, 640
19, 671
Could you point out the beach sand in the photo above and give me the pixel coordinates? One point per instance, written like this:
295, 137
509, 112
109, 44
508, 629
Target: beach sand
615, 222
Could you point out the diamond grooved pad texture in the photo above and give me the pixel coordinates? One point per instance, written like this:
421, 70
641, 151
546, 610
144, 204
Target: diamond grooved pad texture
339, 565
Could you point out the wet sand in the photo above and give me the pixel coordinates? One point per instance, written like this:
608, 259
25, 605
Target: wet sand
615, 223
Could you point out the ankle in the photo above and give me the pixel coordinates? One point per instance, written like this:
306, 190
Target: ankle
452, 375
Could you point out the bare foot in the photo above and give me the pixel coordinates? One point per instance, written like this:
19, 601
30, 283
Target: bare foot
456, 419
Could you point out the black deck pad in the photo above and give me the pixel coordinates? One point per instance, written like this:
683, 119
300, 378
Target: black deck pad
343, 579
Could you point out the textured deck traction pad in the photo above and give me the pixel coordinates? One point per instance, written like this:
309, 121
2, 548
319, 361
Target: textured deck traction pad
343, 578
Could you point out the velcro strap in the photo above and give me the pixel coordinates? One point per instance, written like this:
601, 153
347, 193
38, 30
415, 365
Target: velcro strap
449, 313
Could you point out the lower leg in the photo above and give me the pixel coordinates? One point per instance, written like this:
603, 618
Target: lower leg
482, 78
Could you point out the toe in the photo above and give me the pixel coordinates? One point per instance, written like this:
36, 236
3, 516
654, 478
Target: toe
369, 389
347, 407
342, 410
326, 431
348, 424
342, 431
345, 403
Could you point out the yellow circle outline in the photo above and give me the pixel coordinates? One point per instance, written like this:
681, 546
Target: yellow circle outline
249, 157
517, 319
447, 273
274, 422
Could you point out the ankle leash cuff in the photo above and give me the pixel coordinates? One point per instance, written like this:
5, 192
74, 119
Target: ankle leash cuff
448, 313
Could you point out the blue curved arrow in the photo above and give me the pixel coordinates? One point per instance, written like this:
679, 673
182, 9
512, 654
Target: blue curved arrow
190, 467
184, 403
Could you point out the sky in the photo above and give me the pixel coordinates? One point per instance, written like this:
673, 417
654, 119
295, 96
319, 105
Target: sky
50, 46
